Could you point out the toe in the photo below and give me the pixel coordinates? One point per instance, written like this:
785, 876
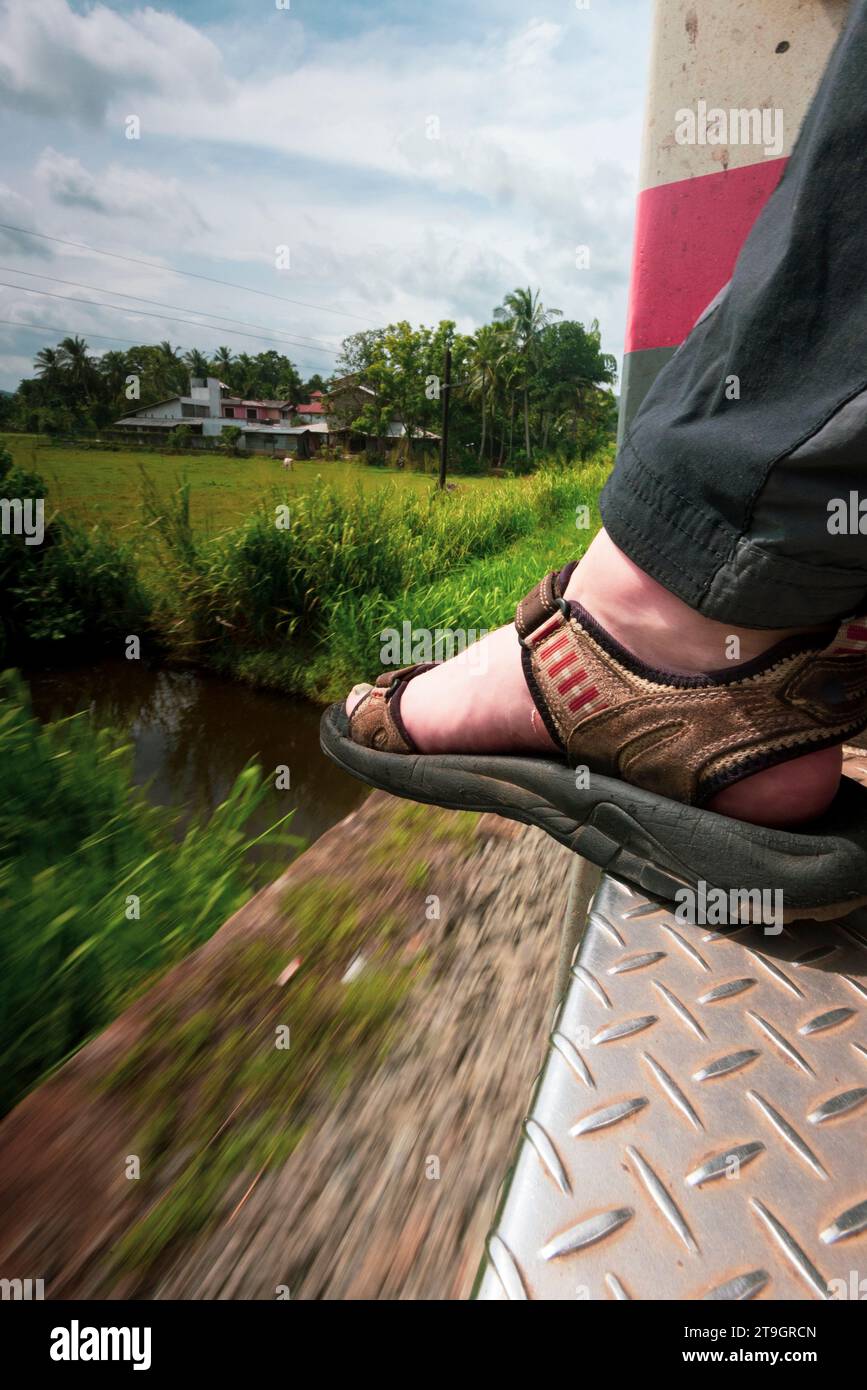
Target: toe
356, 693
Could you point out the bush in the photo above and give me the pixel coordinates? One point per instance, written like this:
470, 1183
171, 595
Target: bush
78, 590
465, 460
76, 841
230, 439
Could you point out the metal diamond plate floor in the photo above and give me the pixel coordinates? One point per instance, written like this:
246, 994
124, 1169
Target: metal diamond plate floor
698, 1131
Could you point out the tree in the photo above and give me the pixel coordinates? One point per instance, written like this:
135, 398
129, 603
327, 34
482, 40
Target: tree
230, 439
114, 368
49, 364
570, 372
77, 368
526, 316
268, 375
403, 368
222, 363
359, 351
197, 363
488, 348
170, 373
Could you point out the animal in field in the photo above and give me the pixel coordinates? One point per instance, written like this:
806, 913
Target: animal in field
287, 463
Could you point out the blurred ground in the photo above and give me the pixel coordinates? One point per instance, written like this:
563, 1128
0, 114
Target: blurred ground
397, 1135
356, 1210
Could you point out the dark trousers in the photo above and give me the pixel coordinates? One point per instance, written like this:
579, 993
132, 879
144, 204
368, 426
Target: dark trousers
733, 486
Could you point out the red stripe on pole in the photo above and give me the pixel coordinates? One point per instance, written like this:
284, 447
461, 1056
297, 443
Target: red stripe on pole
687, 238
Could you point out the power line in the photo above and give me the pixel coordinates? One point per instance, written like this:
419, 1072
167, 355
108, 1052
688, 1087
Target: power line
299, 340
167, 318
52, 328
190, 274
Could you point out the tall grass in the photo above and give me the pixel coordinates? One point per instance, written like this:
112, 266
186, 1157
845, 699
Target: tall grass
239, 599
479, 595
98, 893
271, 602
78, 591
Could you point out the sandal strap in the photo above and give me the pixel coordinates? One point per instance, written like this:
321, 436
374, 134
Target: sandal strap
543, 600
687, 737
390, 679
375, 722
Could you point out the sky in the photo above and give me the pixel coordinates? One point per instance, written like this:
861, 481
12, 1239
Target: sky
347, 163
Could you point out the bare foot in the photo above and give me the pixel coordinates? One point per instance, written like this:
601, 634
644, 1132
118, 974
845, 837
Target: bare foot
482, 705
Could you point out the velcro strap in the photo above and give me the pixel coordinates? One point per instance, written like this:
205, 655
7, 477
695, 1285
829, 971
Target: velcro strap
389, 679
538, 605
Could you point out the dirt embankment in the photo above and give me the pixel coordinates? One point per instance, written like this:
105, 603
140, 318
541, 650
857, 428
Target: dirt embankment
410, 955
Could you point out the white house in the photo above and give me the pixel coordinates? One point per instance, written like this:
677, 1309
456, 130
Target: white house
267, 426
211, 407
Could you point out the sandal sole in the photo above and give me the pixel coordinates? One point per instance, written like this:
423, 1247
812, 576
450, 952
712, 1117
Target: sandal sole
657, 844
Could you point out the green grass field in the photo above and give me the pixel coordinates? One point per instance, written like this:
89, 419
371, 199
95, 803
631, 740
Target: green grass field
197, 556
90, 485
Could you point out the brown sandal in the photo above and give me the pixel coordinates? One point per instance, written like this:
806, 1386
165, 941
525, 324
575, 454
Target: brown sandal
677, 739
685, 737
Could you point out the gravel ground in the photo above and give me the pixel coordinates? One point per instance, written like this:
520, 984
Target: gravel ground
392, 1189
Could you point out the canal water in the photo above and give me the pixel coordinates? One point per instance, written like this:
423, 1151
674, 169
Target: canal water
192, 733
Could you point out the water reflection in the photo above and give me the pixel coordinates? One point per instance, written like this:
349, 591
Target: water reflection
192, 734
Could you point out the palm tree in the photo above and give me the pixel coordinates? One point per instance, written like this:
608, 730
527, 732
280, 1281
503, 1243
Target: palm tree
222, 363
488, 347
76, 365
245, 374
169, 369
49, 365
114, 367
197, 363
526, 317
509, 375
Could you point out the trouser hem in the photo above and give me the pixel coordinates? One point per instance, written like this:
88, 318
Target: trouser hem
722, 575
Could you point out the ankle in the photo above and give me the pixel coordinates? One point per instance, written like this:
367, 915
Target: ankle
653, 623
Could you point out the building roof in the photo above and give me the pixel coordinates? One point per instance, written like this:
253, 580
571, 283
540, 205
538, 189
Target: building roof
311, 408
341, 388
395, 430
273, 427
269, 427
348, 384
152, 405
163, 422
341, 383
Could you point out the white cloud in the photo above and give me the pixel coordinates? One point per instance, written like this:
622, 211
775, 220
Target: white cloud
116, 191
533, 44
55, 61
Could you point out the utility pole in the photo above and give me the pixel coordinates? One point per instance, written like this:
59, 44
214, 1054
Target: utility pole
444, 441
